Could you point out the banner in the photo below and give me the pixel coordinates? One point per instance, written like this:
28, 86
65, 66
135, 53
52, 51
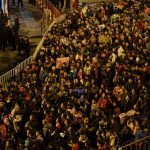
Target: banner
62, 62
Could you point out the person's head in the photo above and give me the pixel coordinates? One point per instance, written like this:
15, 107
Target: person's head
127, 44
83, 138
130, 81
31, 117
6, 121
37, 133
16, 107
103, 95
133, 91
127, 98
86, 120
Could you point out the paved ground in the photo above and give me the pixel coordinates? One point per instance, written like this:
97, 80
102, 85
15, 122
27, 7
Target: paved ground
30, 25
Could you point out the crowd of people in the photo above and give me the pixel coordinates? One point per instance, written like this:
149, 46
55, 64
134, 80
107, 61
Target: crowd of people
88, 88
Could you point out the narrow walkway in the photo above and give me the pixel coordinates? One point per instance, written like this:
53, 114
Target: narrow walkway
30, 20
30, 26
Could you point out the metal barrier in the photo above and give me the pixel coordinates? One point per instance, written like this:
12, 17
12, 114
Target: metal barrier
142, 144
5, 77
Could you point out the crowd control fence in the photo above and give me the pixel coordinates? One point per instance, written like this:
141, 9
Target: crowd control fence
142, 144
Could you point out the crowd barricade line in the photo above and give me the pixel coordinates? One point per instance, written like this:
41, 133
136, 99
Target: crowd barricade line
142, 144
1, 79
10, 73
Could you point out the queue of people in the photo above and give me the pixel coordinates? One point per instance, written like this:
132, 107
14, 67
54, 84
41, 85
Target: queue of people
88, 88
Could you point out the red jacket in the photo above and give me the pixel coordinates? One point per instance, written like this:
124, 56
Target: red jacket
102, 103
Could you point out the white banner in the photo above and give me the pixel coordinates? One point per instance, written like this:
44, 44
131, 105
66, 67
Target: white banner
62, 61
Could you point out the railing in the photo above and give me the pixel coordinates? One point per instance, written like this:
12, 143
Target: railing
4, 79
142, 144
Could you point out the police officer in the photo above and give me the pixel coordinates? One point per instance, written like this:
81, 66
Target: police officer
20, 2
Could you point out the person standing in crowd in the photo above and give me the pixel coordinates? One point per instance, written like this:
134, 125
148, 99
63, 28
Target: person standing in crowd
33, 2
55, 3
3, 37
8, 33
27, 47
20, 2
11, 40
74, 4
0, 4
13, 2
68, 4
16, 26
65, 5
62, 3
